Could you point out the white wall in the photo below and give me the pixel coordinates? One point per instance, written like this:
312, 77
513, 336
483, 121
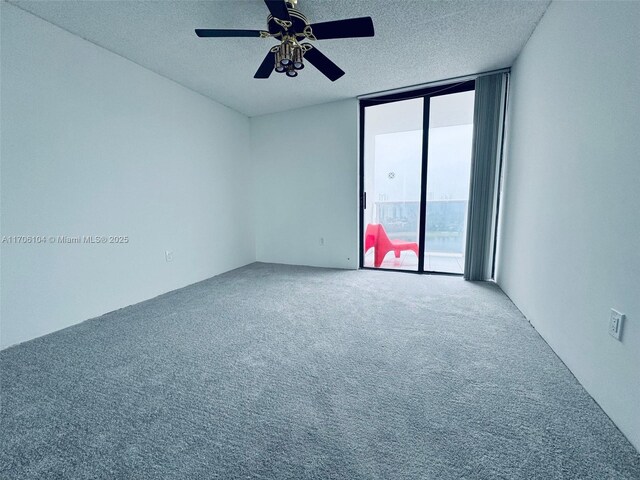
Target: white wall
307, 189
93, 144
569, 246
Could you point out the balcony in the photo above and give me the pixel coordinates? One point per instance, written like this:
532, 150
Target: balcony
445, 234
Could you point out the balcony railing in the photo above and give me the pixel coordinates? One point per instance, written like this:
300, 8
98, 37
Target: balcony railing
446, 223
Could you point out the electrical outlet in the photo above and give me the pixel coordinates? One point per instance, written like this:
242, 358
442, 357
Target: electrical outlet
168, 255
615, 324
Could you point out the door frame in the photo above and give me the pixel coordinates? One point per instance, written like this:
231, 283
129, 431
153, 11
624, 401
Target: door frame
425, 94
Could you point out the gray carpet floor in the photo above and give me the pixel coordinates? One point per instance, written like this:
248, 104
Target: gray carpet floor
279, 372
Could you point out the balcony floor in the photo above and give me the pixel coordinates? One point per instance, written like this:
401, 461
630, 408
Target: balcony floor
433, 262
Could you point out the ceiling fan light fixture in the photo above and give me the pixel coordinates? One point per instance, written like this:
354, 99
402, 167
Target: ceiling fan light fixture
291, 72
297, 58
285, 53
278, 66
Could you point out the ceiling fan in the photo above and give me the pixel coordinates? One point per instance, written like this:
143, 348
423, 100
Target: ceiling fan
290, 27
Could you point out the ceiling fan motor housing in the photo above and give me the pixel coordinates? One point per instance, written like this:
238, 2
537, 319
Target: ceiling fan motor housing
298, 23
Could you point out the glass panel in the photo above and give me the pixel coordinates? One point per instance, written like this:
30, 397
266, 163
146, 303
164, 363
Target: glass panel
448, 173
392, 169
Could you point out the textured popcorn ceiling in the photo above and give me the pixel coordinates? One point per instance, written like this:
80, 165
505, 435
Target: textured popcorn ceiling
416, 41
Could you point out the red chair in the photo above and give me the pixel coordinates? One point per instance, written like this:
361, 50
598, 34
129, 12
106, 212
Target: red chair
376, 237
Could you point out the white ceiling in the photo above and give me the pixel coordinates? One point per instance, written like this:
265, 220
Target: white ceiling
416, 41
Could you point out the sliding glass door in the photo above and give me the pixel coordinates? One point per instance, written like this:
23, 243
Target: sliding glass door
415, 168
392, 172
448, 175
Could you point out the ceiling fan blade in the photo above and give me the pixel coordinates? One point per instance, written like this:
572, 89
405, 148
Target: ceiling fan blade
349, 28
217, 32
266, 67
322, 63
278, 9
